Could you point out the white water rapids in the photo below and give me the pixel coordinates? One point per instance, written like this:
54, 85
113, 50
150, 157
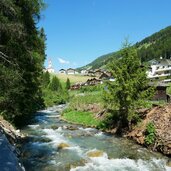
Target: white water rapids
42, 153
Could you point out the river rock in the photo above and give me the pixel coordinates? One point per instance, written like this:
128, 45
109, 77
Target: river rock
77, 163
72, 128
8, 155
63, 145
95, 153
168, 163
54, 127
11, 133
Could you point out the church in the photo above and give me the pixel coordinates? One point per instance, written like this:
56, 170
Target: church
50, 68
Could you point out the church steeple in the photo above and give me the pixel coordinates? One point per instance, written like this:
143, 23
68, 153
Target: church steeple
50, 68
50, 64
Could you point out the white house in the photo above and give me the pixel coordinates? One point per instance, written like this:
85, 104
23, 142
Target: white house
62, 71
160, 68
70, 71
84, 72
50, 68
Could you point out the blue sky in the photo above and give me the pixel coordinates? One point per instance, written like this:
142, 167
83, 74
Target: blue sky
79, 31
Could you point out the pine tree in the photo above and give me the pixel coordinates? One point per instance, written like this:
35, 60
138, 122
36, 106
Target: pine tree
55, 84
46, 79
22, 54
129, 89
68, 84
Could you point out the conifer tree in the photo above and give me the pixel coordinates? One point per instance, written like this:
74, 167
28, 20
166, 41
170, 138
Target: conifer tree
22, 54
68, 84
55, 84
129, 89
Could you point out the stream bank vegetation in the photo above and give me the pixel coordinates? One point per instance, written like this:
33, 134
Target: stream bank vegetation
84, 105
53, 92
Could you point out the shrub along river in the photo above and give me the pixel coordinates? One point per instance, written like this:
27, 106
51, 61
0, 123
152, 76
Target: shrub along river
54, 145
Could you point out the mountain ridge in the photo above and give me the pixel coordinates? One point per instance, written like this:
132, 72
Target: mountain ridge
152, 47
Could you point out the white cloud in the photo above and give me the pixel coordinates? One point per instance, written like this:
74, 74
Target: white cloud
63, 61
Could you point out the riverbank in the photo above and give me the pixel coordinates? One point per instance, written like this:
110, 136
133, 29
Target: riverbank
160, 116
9, 153
82, 118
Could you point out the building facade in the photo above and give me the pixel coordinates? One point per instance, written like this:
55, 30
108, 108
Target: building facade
161, 68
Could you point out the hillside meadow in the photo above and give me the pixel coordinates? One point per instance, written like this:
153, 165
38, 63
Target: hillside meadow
73, 78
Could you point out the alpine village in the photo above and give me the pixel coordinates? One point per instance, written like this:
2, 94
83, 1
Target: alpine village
113, 114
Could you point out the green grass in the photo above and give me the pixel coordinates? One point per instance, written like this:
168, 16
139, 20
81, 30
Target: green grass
80, 102
73, 78
85, 118
79, 110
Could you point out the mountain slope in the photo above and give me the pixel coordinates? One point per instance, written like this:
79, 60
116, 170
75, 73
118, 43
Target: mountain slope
152, 47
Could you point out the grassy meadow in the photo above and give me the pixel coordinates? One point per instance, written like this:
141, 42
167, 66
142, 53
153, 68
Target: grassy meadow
73, 78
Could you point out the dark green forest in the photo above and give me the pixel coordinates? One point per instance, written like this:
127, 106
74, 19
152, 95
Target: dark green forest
152, 47
22, 54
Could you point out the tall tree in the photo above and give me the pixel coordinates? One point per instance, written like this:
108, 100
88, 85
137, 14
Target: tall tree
129, 89
22, 54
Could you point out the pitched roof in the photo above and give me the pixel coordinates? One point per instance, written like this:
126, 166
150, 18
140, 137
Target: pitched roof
70, 69
62, 70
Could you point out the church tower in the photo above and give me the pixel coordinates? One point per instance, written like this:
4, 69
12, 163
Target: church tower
50, 68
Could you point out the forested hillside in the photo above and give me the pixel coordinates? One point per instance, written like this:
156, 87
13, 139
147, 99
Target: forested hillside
159, 44
22, 54
152, 47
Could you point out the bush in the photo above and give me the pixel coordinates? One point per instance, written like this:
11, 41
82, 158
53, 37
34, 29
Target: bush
91, 88
54, 98
110, 121
150, 133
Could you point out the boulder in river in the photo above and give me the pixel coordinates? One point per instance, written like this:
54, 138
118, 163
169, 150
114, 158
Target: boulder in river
63, 145
54, 127
95, 153
72, 127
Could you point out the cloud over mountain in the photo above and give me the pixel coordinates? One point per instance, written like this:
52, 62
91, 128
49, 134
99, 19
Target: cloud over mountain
63, 61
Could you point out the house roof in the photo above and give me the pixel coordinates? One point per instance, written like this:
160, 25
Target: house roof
153, 62
160, 62
105, 75
70, 69
62, 70
93, 79
165, 62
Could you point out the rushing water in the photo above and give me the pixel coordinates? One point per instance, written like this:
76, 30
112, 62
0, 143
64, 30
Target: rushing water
41, 152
